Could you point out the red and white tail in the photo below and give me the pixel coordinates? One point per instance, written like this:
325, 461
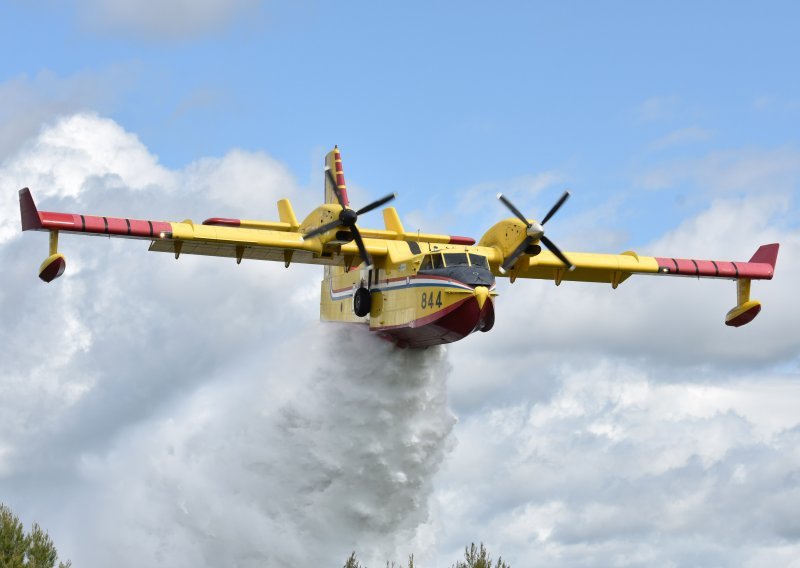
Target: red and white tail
333, 164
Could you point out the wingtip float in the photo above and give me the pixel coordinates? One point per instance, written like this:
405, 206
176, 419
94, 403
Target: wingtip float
416, 289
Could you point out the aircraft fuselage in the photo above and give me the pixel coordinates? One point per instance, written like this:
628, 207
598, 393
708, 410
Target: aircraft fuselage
432, 298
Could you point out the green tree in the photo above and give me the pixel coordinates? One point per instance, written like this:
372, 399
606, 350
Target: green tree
13, 541
21, 550
352, 562
475, 557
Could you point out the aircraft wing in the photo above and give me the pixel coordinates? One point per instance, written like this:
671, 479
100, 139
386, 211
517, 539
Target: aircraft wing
616, 268
260, 244
240, 239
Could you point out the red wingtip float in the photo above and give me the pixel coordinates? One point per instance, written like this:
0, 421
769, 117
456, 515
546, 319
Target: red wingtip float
417, 289
761, 264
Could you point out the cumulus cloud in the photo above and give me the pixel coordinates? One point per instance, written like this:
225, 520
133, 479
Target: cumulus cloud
194, 412
198, 405
26, 102
614, 469
743, 171
673, 326
170, 19
631, 427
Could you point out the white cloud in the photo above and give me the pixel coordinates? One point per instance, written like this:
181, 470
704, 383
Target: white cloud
776, 104
199, 404
671, 325
72, 156
764, 102
630, 426
747, 170
165, 19
658, 108
26, 102
617, 469
681, 136
480, 206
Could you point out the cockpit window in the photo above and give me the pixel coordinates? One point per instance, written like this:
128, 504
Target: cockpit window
478, 260
456, 259
431, 262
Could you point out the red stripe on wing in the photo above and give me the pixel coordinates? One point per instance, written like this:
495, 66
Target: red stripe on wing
715, 269
117, 226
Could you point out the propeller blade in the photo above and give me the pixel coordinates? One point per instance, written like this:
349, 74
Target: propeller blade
513, 209
555, 250
556, 207
322, 229
376, 204
335, 185
361, 248
512, 259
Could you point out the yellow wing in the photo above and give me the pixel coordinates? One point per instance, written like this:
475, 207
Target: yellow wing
589, 267
263, 244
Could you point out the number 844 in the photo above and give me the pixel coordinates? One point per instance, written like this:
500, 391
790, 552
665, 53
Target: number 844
428, 300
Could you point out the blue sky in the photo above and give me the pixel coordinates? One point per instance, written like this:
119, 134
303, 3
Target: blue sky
457, 93
203, 407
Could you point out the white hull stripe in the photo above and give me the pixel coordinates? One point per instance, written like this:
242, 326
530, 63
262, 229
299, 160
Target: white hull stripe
400, 284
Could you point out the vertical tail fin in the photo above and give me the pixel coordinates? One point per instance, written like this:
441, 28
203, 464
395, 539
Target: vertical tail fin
333, 162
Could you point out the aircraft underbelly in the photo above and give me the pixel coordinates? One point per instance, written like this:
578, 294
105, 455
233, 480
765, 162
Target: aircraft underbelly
421, 311
444, 326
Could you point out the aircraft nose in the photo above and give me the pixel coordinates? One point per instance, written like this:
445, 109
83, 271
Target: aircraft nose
481, 294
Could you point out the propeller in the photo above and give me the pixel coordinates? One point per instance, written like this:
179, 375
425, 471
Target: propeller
535, 231
348, 218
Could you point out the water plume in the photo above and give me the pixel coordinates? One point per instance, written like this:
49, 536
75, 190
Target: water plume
334, 450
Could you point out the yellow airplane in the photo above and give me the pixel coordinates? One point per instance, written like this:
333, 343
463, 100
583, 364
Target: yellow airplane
416, 289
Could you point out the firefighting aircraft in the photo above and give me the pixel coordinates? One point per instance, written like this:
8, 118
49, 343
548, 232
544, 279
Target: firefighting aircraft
416, 289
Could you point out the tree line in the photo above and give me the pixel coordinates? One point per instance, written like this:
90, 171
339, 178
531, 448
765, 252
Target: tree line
35, 549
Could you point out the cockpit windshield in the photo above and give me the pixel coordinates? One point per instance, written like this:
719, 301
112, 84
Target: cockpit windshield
455, 259
450, 259
478, 260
